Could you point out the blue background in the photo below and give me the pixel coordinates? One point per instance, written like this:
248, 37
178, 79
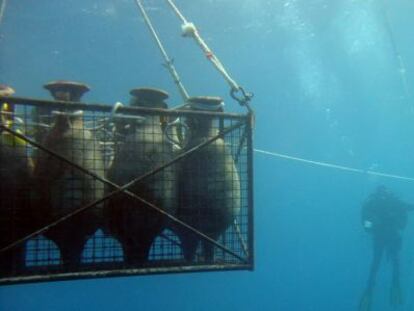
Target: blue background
328, 87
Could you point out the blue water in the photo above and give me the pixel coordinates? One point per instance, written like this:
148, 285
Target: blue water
327, 86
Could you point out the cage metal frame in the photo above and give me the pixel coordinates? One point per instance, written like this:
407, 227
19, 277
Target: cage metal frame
246, 120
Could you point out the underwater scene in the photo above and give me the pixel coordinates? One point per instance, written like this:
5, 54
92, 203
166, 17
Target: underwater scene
216, 154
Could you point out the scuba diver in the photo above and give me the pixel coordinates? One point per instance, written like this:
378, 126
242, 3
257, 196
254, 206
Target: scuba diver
384, 216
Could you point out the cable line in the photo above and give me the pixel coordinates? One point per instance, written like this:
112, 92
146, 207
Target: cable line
402, 69
335, 166
190, 30
168, 62
2, 9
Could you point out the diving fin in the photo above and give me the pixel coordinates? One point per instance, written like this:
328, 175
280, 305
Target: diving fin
366, 301
396, 297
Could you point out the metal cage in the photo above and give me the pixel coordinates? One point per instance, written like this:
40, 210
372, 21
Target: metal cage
87, 192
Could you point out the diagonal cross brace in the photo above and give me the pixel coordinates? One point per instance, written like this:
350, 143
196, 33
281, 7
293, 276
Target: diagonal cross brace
123, 189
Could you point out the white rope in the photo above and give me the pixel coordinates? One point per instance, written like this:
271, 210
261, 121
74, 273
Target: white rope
334, 166
2, 9
189, 30
402, 69
168, 61
177, 12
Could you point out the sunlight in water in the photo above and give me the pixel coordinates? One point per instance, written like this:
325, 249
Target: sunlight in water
107, 9
363, 32
313, 78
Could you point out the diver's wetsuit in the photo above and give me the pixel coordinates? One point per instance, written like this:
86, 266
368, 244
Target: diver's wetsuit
384, 216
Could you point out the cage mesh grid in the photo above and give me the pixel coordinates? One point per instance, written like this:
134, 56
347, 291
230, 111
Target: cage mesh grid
208, 189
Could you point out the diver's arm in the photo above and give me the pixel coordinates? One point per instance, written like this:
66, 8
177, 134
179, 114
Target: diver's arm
368, 215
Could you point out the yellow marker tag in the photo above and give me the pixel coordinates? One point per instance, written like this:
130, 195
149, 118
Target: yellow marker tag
7, 115
11, 140
7, 121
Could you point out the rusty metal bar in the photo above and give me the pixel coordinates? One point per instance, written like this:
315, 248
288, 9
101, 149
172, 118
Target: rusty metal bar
236, 159
123, 109
250, 187
240, 236
122, 273
240, 146
124, 189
